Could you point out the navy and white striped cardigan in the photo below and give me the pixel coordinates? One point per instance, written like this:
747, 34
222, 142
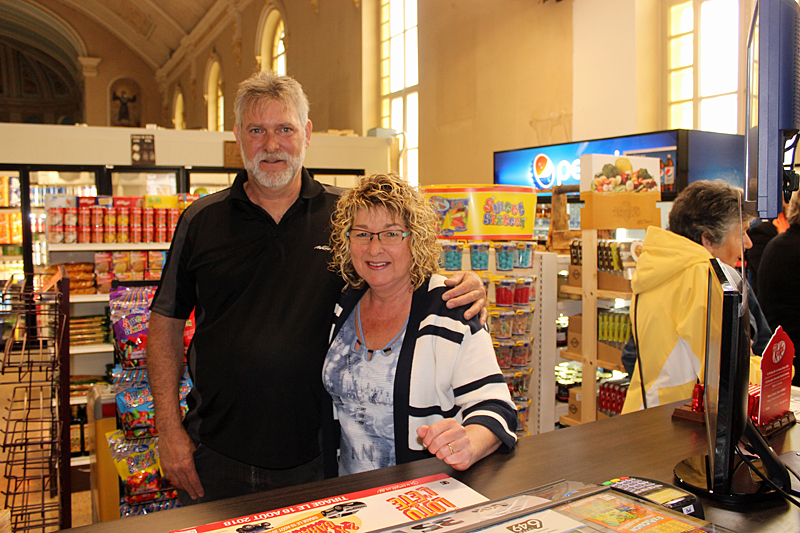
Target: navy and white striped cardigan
446, 369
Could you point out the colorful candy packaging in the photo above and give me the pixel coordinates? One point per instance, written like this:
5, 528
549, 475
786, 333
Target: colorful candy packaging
188, 332
138, 466
126, 509
130, 313
121, 374
136, 410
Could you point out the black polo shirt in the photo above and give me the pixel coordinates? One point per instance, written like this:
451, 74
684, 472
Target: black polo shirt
264, 298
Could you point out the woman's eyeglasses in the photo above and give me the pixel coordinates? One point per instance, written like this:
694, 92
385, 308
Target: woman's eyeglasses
389, 237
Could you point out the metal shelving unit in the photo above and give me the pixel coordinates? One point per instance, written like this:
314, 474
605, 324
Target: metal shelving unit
35, 434
543, 360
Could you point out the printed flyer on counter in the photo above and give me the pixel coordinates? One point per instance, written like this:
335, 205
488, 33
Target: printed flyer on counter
366, 510
619, 514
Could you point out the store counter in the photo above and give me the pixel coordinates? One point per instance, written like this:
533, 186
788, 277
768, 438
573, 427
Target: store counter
644, 444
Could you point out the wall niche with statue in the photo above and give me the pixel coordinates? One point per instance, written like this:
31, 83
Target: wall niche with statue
125, 100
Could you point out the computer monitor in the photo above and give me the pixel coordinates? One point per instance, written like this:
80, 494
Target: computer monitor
772, 105
721, 474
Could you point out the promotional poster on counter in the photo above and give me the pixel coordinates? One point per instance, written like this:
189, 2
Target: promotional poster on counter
365, 510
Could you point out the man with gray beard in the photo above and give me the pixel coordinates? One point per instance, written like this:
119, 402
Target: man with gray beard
252, 261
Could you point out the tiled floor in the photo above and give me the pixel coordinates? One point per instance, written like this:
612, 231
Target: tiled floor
81, 501
81, 508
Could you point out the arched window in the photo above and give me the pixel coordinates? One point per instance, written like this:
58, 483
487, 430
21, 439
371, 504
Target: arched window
178, 119
215, 98
272, 49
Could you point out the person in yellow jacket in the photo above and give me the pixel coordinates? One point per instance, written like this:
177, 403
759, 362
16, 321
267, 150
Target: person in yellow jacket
670, 290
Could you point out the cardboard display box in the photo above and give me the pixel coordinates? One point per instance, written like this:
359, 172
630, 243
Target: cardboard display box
574, 405
607, 356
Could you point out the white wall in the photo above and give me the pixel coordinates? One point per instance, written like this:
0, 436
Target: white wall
616, 67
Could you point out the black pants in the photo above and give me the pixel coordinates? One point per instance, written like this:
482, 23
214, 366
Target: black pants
223, 477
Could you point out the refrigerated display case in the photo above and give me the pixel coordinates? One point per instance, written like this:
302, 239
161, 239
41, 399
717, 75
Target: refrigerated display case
208, 180
141, 181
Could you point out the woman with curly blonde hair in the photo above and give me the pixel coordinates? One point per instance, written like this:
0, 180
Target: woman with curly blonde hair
409, 378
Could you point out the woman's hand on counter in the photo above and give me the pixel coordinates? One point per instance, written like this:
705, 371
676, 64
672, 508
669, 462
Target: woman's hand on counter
457, 445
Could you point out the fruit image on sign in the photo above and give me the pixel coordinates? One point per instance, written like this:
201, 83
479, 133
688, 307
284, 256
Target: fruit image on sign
619, 174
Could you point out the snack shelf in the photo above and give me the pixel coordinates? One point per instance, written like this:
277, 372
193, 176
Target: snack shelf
566, 420
81, 460
569, 307
88, 298
600, 293
108, 247
101, 347
570, 356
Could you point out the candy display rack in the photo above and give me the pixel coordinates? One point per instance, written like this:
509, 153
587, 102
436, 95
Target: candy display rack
35, 440
530, 382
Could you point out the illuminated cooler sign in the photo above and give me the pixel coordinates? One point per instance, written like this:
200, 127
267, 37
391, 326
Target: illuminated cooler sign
544, 167
483, 212
546, 175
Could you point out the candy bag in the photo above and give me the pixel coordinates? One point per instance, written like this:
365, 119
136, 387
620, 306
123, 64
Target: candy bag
136, 410
138, 466
130, 313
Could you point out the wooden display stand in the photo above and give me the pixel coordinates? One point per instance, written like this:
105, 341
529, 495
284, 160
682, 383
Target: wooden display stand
604, 211
560, 236
608, 357
620, 210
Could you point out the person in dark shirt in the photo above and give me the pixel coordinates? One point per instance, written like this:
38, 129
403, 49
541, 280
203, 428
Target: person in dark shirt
779, 280
252, 261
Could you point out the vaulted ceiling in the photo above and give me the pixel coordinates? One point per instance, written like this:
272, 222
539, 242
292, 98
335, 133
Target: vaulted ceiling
154, 29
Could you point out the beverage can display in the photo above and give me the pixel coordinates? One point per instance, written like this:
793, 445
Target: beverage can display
70, 234
148, 233
84, 216
172, 217
55, 216
160, 218
84, 234
110, 234
97, 233
123, 217
135, 234
161, 234
123, 234
98, 216
56, 235
71, 216
136, 216
110, 217
148, 216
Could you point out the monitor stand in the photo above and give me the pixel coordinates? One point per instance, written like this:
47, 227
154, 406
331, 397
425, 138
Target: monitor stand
746, 488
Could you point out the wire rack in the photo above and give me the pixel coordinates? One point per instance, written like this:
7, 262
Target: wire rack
36, 473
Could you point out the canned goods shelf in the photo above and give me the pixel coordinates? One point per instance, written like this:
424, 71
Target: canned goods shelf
107, 247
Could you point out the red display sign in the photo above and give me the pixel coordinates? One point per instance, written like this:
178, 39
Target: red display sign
776, 377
